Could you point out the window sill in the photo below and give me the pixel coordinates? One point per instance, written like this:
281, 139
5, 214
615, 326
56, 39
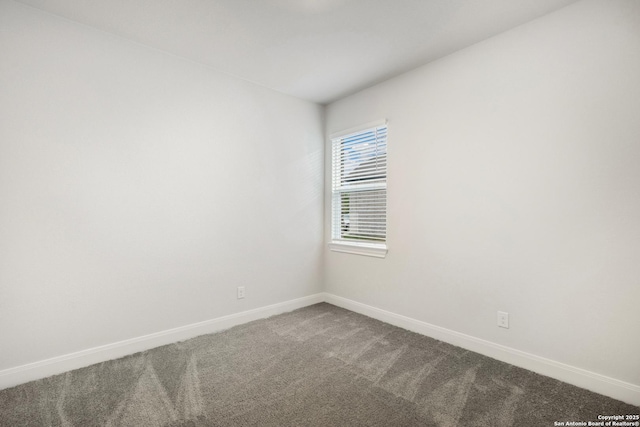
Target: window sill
377, 251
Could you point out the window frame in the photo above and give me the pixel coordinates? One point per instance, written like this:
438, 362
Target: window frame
356, 246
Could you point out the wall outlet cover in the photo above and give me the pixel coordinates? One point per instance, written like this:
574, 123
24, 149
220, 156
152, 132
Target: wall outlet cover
503, 319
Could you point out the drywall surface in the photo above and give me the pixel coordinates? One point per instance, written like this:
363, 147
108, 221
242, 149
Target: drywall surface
138, 190
514, 186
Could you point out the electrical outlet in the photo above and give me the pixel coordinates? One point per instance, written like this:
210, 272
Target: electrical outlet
240, 292
503, 319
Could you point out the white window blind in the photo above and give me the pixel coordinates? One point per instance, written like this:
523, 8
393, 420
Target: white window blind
359, 186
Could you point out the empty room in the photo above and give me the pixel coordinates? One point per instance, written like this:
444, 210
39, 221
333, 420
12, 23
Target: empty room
319, 213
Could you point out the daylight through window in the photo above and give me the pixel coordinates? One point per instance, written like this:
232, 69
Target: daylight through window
359, 186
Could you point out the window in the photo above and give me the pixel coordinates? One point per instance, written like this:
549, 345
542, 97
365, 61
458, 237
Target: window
359, 191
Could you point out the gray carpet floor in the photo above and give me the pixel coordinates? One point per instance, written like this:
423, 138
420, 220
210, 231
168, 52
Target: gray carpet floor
317, 366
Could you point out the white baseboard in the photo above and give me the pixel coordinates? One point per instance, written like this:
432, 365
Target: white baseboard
626, 392
57, 365
612, 387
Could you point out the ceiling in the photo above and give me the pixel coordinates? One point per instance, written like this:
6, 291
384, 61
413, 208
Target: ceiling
318, 50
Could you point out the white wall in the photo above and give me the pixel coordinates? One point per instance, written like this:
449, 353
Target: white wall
514, 185
138, 189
